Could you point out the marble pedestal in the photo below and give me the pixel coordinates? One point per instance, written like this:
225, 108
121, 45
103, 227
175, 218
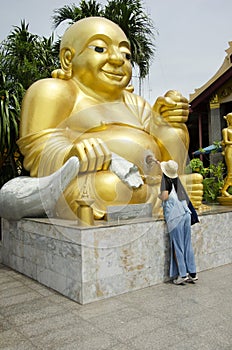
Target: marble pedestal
92, 263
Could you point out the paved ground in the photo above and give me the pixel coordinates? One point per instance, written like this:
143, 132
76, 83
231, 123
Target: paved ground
194, 316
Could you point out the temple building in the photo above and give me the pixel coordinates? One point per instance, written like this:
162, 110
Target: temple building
209, 104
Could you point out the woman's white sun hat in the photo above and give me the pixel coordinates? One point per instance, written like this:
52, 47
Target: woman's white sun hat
169, 168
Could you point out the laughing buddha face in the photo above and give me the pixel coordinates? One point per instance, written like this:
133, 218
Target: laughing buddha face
101, 55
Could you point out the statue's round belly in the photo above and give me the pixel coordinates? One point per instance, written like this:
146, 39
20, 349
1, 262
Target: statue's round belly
104, 186
130, 143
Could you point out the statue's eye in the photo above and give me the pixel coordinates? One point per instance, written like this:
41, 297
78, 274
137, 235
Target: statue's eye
126, 55
97, 48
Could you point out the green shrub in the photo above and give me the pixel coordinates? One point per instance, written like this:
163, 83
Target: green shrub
213, 178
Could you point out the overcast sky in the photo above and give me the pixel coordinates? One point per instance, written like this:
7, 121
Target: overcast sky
190, 47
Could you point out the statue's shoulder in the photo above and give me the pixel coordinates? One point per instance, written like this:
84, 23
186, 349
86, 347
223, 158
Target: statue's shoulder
49, 101
49, 88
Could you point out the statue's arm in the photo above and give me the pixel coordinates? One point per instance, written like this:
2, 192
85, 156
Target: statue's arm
226, 140
45, 141
170, 113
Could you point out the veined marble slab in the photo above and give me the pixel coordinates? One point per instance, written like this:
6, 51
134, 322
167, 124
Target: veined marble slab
127, 212
92, 263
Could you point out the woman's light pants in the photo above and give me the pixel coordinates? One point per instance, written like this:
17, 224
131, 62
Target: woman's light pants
182, 259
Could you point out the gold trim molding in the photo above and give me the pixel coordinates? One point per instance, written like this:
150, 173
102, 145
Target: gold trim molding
214, 102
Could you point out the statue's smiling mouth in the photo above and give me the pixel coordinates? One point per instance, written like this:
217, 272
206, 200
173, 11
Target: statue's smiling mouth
113, 75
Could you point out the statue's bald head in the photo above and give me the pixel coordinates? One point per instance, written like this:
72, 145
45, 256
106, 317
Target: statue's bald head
79, 33
228, 117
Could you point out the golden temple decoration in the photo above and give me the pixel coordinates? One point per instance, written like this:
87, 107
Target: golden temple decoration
214, 102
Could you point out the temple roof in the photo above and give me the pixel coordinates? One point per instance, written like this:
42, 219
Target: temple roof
219, 78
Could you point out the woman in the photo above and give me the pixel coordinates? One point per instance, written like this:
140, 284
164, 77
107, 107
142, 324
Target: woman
178, 219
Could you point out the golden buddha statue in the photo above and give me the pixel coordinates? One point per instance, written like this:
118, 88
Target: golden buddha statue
227, 151
87, 110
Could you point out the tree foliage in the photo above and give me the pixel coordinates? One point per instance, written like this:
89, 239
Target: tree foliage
72, 13
213, 178
24, 58
9, 124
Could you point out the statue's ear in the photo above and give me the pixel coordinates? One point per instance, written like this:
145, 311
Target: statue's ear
66, 55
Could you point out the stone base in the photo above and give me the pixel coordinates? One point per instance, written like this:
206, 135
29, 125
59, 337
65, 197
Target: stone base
132, 211
92, 263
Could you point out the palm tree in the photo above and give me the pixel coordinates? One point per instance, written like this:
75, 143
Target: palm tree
74, 13
129, 15
9, 124
24, 58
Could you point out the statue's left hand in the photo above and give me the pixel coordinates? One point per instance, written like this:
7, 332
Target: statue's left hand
172, 107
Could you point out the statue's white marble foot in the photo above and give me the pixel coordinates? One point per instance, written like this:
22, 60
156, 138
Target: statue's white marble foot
30, 196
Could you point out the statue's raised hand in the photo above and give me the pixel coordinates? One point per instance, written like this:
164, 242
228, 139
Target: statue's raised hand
171, 108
